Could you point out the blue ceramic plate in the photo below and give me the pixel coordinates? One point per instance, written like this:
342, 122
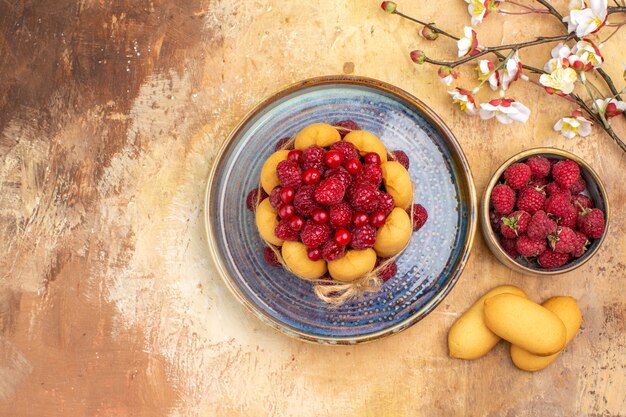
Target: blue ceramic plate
429, 267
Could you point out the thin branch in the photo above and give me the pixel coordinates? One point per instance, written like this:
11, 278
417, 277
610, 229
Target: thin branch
428, 25
493, 49
618, 9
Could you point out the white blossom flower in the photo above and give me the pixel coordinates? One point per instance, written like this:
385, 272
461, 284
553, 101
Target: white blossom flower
510, 72
464, 99
573, 126
468, 44
585, 56
477, 9
506, 111
447, 75
562, 79
486, 71
611, 107
558, 53
585, 19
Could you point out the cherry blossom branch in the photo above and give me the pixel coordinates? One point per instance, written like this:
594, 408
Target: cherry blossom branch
603, 74
492, 49
618, 9
598, 117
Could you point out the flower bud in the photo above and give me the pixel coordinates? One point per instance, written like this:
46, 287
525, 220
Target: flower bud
428, 33
388, 6
578, 66
418, 56
444, 71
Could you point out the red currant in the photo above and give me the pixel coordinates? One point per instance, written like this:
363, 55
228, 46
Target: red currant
372, 158
377, 218
314, 254
333, 158
311, 176
342, 237
286, 212
287, 194
320, 216
294, 155
296, 223
353, 166
360, 218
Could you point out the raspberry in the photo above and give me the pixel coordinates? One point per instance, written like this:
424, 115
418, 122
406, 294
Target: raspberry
558, 204
280, 144
530, 199
313, 157
347, 149
304, 201
284, 232
517, 175
363, 237
332, 251
514, 225
340, 215
388, 271
289, 174
540, 226
363, 196
569, 217
554, 188
275, 199
270, 257
330, 191
494, 219
341, 173
345, 126
566, 173
385, 203
372, 173
539, 166
402, 158
528, 247
563, 240
503, 198
579, 186
508, 245
314, 235
254, 198
550, 259
591, 223
420, 215
539, 183
580, 245
581, 202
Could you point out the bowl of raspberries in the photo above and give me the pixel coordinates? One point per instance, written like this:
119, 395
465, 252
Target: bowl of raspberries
544, 212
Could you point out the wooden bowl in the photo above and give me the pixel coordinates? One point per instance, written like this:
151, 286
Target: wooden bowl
595, 190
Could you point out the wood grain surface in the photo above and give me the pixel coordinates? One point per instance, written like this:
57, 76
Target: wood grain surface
110, 115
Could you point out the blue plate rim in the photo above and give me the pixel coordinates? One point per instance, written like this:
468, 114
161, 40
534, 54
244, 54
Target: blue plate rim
420, 107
